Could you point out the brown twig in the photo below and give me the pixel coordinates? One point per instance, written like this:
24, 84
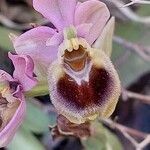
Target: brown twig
129, 132
145, 142
137, 2
128, 94
133, 47
129, 13
10, 24
122, 59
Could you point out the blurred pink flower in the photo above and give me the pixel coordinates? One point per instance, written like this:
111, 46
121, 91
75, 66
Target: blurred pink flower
12, 102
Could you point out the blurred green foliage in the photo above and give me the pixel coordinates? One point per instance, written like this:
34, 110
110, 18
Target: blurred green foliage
130, 65
36, 121
25, 140
5, 42
103, 139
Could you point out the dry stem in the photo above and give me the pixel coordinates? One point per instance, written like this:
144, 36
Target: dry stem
129, 13
140, 50
128, 94
129, 132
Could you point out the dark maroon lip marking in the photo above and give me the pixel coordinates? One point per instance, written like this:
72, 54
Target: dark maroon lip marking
94, 92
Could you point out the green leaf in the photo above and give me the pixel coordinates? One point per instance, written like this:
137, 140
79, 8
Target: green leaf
131, 31
102, 139
36, 120
24, 140
113, 142
40, 90
5, 42
144, 10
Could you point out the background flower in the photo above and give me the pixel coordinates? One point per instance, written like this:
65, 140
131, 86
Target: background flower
12, 101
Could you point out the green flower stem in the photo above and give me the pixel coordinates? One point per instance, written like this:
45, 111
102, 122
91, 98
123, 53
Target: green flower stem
70, 32
39, 90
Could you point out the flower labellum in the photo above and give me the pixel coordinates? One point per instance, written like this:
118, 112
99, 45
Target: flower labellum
83, 81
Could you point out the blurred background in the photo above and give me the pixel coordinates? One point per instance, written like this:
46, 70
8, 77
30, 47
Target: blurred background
131, 57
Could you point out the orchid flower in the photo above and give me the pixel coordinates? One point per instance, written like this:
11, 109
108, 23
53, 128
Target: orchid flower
83, 83
12, 101
42, 43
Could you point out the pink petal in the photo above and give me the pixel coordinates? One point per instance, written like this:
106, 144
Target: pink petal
93, 12
33, 43
9, 131
59, 12
23, 70
4, 76
83, 29
56, 40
